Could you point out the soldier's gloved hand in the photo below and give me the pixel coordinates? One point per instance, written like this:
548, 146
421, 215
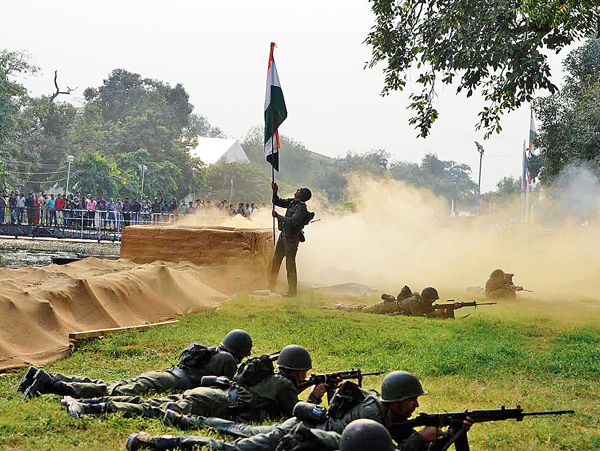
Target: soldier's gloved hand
274, 187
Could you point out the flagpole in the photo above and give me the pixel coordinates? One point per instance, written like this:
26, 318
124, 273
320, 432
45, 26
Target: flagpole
272, 171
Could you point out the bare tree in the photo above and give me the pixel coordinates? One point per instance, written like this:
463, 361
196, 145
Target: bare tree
58, 91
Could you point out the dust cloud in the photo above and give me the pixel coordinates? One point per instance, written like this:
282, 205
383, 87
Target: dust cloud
399, 235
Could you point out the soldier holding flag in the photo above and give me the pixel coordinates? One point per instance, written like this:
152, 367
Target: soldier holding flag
296, 215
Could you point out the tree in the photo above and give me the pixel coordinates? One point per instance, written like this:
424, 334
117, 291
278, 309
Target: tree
570, 119
95, 174
445, 178
496, 46
12, 95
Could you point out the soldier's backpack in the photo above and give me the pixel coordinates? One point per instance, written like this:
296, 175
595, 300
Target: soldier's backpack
196, 356
307, 220
347, 395
254, 370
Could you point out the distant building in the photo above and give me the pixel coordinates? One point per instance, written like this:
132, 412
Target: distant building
218, 150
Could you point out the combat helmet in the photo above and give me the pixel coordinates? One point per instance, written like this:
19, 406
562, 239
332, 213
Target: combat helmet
366, 435
497, 274
400, 385
430, 294
294, 357
238, 342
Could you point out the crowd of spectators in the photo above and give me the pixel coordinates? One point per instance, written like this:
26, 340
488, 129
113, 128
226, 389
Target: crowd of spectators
77, 210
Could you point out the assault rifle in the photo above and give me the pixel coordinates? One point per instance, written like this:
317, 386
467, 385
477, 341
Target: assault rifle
520, 288
331, 379
455, 419
457, 305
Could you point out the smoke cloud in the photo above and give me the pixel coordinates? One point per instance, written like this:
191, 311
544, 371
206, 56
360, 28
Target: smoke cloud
399, 235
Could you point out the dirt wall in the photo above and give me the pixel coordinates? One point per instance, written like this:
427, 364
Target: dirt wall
238, 259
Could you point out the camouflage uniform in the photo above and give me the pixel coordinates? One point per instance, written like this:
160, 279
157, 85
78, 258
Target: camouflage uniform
263, 437
291, 226
179, 378
325, 435
275, 396
407, 303
500, 286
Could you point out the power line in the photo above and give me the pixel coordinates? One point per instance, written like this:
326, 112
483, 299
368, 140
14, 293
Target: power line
35, 173
47, 181
33, 163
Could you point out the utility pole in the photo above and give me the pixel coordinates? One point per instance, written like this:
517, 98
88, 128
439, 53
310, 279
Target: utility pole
70, 159
144, 168
481, 151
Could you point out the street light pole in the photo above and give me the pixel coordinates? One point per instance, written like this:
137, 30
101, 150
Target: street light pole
481, 151
70, 159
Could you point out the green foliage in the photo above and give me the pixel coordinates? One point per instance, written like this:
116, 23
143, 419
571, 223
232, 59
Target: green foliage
506, 190
126, 122
12, 64
497, 47
445, 178
570, 118
96, 175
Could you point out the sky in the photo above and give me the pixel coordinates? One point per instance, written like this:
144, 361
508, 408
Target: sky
219, 50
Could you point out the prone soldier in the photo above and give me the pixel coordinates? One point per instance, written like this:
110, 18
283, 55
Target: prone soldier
254, 395
195, 362
407, 303
398, 400
500, 286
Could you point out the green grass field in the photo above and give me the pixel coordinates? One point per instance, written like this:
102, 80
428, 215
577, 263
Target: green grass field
540, 355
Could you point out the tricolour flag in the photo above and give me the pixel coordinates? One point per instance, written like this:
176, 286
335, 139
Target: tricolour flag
275, 112
528, 153
531, 135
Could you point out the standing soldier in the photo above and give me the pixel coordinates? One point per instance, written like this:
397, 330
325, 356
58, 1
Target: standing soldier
195, 362
290, 225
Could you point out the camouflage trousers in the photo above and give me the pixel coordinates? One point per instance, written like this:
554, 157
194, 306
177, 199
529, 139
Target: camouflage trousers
278, 437
287, 249
152, 381
201, 401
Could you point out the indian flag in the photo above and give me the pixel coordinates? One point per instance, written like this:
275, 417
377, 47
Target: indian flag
275, 112
531, 135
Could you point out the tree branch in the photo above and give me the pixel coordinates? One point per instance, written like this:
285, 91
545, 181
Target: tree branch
58, 91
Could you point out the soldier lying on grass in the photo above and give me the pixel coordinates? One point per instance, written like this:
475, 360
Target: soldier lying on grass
253, 395
195, 362
312, 427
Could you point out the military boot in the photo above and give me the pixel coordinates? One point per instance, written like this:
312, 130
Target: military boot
27, 379
43, 383
76, 409
143, 440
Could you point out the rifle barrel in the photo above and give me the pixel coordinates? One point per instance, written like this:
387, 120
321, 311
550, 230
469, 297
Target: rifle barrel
552, 412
